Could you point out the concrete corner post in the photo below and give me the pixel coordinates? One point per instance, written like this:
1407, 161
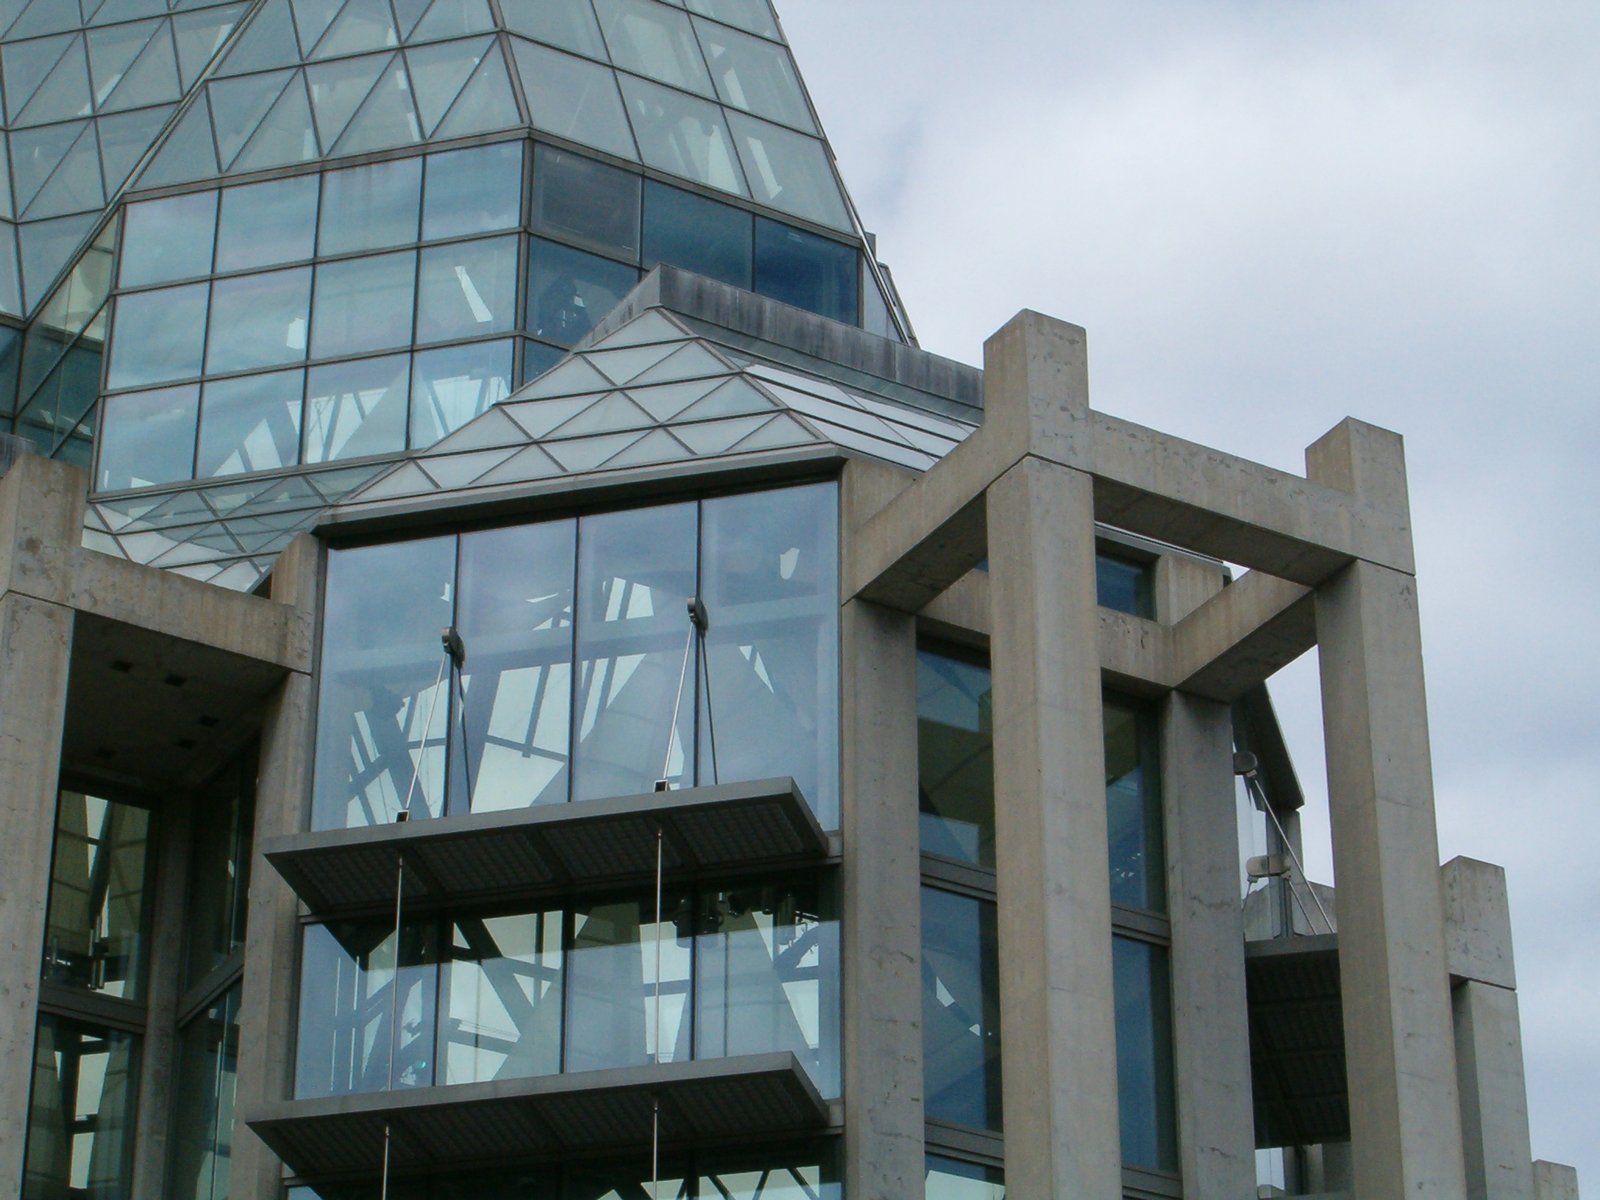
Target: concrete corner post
1058, 1023
1399, 1039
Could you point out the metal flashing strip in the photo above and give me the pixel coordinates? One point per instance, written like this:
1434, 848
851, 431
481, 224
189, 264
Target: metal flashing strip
544, 1117
526, 852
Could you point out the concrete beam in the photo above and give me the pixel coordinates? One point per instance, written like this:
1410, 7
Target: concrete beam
1554, 1181
1242, 636
1494, 1092
1477, 922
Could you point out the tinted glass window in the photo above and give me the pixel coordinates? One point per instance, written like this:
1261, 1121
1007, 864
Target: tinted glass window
168, 239
478, 190
258, 320
364, 304
368, 208
1133, 807
357, 408
805, 270
1123, 584
960, 1010
157, 336
250, 424
467, 289
1144, 1054
570, 291
955, 758
451, 386
697, 234
147, 438
83, 1112
578, 198
263, 224
612, 1005
96, 934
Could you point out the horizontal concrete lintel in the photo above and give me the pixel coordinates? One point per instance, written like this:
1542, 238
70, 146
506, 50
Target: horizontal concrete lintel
1242, 636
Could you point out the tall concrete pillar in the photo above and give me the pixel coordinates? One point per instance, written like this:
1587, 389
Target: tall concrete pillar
1399, 1039
1210, 1024
1058, 1024
881, 926
269, 1003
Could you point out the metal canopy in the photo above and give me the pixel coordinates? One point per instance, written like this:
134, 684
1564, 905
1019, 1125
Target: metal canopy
1297, 1061
522, 853
544, 1117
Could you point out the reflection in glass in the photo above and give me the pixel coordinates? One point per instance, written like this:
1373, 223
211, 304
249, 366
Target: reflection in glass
250, 424
1123, 584
697, 234
960, 1010
502, 998
363, 304
653, 41
99, 884
467, 289
477, 190
515, 617
572, 98
789, 171
81, 1118
611, 980
370, 207
577, 198
1144, 1054
949, 1179
808, 271
752, 16
955, 758
258, 320
158, 336
766, 976
168, 239
636, 570
450, 386
219, 870
207, 1078
754, 75
373, 727
263, 224
355, 1035
570, 291
356, 408
147, 437
1133, 807
683, 136
769, 579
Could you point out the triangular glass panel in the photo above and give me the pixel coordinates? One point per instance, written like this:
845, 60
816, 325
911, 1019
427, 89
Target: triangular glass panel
46, 248
539, 417
776, 433
438, 73
611, 414
407, 479
386, 118
657, 447
751, 15
225, 500
312, 18
568, 26
363, 25
664, 401
338, 88
736, 398
716, 437
573, 98
490, 429
42, 17
336, 485
652, 326
102, 543
453, 18
188, 151
485, 104
285, 135
532, 463
407, 13
199, 35
76, 185
242, 576
111, 53
153, 77
568, 379
690, 362
25, 68
6, 212
8, 12
36, 153
64, 94
267, 42
624, 365
238, 106
585, 454
461, 470
115, 11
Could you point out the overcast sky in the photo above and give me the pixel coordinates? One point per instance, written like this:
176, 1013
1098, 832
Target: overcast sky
1271, 215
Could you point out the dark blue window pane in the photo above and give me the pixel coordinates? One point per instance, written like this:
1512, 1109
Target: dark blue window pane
584, 200
570, 291
1133, 807
1123, 584
810, 272
537, 358
960, 1010
697, 234
955, 758
1144, 1055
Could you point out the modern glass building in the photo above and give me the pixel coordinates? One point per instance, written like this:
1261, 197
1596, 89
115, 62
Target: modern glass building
519, 678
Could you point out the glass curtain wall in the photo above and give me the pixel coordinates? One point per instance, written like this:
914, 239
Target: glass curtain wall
580, 680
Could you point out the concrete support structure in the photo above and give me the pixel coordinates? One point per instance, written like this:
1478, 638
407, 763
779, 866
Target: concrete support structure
1406, 1130
1554, 1181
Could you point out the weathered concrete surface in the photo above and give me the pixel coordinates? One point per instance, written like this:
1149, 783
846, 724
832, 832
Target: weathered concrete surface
881, 926
1477, 916
35, 645
1242, 636
1494, 1093
1554, 1181
1211, 1029
1057, 1013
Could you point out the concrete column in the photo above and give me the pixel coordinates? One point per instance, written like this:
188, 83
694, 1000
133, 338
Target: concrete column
35, 647
882, 919
1553, 1181
269, 1004
1211, 1029
1399, 1039
1058, 1024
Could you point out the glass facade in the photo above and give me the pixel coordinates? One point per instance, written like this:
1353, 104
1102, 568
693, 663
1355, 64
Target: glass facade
81, 1119
955, 758
99, 915
579, 682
